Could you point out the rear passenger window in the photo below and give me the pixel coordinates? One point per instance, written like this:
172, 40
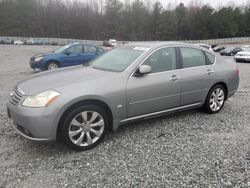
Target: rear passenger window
89, 49
192, 57
210, 57
162, 60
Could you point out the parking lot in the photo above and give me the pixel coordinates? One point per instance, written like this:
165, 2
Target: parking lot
187, 149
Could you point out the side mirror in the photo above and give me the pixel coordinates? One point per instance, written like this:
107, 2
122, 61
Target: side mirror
144, 69
67, 53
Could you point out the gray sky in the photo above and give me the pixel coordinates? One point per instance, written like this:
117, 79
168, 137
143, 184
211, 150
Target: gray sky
214, 3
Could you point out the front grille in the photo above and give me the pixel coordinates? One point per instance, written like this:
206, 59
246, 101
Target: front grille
15, 97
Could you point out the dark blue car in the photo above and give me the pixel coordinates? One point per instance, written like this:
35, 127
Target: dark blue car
69, 55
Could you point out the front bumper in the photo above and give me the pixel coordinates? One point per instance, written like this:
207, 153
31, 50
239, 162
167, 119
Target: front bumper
37, 65
32, 123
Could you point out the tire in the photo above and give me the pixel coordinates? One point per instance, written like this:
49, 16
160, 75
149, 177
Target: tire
232, 54
215, 99
84, 127
52, 65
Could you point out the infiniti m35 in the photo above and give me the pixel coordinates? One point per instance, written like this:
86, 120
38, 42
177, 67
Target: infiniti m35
135, 81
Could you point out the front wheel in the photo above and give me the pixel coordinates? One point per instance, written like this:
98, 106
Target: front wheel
52, 66
85, 127
215, 99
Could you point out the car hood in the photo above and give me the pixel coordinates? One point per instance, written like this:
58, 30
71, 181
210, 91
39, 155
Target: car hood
44, 54
50, 80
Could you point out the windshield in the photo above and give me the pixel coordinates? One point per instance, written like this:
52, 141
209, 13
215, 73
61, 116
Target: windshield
118, 59
60, 50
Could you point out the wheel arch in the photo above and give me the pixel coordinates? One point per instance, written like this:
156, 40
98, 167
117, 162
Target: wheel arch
52, 61
222, 84
86, 102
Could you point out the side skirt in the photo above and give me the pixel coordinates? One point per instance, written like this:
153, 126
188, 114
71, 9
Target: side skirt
159, 113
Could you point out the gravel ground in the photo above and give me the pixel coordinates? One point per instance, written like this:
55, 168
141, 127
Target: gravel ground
188, 149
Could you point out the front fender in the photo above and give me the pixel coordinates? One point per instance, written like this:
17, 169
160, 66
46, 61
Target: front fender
62, 107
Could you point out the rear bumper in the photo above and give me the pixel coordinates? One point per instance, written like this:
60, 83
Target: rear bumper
242, 59
226, 54
31, 123
230, 94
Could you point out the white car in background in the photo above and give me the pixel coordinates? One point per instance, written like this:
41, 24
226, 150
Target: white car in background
30, 41
18, 42
112, 42
243, 56
245, 47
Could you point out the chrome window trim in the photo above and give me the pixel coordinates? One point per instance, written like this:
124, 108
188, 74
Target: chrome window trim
200, 65
174, 46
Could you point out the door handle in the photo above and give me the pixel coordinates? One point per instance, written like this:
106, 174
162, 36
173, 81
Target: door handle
175, 78
210, 71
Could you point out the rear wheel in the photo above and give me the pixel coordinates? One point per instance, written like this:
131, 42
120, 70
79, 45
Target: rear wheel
215, 99
52, 66
85, 127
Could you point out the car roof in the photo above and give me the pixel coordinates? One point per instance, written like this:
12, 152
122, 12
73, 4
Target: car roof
80, 43
153, 45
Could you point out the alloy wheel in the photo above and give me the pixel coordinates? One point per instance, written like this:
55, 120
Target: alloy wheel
216, 100
52, 66
86, 128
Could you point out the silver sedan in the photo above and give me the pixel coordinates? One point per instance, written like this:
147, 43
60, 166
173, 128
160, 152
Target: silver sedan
132, 82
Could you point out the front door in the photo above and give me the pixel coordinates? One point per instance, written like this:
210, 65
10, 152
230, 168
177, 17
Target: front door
73, 56
158, 90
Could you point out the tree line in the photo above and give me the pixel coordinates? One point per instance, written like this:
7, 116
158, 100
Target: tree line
121, 19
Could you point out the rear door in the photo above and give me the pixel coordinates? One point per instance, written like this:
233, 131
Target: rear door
158, 90
197, 75
90, 52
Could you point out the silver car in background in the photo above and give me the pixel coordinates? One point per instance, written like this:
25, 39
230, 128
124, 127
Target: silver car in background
132, 82
243, 56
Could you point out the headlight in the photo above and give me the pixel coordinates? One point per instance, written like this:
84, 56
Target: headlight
43, 99
38, 59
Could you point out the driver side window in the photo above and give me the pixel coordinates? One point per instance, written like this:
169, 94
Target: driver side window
75, 49
162, 60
